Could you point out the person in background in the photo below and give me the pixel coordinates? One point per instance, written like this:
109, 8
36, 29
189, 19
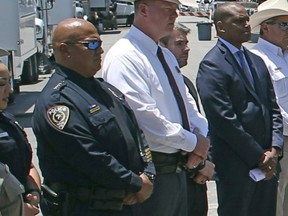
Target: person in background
245, 124
177, 43
92, 154
272, 48
148, 76
16, 153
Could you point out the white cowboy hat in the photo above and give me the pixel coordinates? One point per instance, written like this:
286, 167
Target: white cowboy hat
267, 10
190, 3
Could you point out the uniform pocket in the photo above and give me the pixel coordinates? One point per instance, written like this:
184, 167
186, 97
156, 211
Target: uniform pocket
280, 83
101, 118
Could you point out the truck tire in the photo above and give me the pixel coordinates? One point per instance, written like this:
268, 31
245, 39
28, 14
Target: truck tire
30, 71
35, 66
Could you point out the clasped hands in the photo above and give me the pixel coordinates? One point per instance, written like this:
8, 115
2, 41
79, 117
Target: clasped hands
132, 198
197, 156
268, 163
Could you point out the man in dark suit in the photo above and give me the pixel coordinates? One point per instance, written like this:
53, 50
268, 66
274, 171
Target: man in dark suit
244, 120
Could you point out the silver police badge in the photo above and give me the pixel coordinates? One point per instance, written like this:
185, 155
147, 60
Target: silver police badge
58, 116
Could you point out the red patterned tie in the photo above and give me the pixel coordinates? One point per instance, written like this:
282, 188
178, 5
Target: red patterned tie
175, 89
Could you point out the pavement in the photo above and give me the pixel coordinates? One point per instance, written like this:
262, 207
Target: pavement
23, 106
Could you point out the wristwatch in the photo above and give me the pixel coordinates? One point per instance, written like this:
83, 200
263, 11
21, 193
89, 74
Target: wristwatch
150, 176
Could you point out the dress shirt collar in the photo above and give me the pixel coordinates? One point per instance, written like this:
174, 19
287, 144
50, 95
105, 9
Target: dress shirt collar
231, 47
143, 39
272, 48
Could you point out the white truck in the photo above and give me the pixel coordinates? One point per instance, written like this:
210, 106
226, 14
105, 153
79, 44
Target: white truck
18, 36
26, 28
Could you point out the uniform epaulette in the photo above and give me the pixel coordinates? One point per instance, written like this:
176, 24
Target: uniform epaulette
113, 89
60, 85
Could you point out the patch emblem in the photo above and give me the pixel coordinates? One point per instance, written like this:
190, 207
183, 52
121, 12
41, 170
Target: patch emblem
58, 116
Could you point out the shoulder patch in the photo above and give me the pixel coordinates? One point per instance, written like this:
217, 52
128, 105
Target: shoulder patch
58, 116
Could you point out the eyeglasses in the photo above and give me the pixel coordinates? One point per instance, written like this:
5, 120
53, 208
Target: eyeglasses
282, 25
89, 44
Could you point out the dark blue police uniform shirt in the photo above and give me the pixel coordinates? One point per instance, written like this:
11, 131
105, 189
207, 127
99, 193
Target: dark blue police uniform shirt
15, 151
72, 152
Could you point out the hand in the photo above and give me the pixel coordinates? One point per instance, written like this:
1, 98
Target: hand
208, 170
269, 163
130, 198
193, 161
30, 210
146, 190
33, 198
200, 179
202, 145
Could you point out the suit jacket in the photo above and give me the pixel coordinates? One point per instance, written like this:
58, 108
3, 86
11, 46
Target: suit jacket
244, 120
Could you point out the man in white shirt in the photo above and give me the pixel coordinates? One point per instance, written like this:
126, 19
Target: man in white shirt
272, 48
133, 66
177, 43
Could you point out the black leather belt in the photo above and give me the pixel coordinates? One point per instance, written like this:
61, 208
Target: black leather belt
167, 163
98, 197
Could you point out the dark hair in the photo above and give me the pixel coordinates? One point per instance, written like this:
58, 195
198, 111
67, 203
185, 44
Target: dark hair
178, 27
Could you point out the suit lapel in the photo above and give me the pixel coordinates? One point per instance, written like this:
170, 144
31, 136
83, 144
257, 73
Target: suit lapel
232, 60
256, 78
254, 72
234, 63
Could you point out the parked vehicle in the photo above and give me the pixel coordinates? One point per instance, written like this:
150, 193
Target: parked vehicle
79, 10
26, 35
106, 17
125, 13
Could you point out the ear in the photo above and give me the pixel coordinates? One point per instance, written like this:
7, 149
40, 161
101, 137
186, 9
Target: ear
64, 49
264, 27
220, 27
143, 9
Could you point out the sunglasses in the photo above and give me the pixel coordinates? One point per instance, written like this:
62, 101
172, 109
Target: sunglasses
89, 44
282, 25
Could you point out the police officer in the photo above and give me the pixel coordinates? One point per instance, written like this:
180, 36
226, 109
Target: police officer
15, 152
92, 155
11, 200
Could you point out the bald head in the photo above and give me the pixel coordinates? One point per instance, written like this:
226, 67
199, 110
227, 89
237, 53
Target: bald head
225, 11
71, 30
232, 23
70, 44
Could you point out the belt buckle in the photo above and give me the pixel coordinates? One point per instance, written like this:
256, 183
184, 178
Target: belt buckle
179, 167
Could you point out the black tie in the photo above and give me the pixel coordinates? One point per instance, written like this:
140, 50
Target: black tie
175, 89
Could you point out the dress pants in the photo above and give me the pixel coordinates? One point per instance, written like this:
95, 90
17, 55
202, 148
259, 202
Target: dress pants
247, 198
282, 195
197, 198
169, 197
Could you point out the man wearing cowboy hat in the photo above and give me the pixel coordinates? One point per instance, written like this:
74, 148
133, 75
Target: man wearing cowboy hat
272, 22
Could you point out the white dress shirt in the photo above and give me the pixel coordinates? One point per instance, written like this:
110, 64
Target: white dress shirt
133, 67
277, 64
